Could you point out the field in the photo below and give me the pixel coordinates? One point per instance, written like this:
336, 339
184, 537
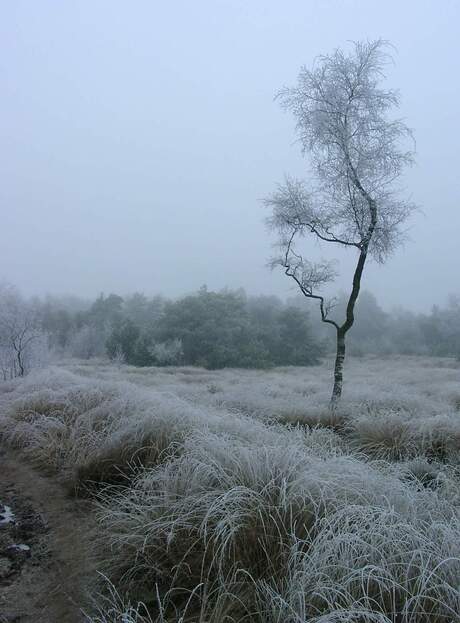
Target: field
236, 495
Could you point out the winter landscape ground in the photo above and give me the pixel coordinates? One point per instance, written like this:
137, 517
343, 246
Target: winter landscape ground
181, 494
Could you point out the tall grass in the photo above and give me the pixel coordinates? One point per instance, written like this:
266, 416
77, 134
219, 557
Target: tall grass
218, 510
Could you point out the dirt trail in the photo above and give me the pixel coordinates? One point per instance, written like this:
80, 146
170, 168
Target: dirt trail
46, 583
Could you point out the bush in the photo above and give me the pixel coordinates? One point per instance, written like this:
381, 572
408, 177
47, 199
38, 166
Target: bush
168, 353
214, 329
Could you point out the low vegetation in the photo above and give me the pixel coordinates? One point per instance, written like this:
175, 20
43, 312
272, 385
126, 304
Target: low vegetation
234, 495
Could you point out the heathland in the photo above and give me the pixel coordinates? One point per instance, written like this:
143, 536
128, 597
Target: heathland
238, 495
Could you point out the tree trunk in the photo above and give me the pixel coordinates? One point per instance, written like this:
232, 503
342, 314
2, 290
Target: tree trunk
350, 318
338, 369
21, 365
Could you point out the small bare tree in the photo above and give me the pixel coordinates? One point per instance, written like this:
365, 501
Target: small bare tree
23, 344
356, 154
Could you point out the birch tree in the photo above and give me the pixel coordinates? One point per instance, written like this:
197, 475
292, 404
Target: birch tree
357, 151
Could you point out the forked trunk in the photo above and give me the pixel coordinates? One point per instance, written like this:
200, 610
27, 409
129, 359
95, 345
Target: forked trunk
338, 369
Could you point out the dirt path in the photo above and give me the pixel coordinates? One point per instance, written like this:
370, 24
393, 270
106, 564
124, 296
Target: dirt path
43, 563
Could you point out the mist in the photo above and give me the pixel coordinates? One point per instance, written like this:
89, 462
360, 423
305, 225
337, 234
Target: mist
138, 142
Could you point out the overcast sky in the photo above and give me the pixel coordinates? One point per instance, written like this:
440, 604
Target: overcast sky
138, 138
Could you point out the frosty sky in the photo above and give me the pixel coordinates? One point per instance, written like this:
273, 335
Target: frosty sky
138, 138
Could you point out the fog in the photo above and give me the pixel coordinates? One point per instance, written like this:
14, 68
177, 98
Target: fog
138, 140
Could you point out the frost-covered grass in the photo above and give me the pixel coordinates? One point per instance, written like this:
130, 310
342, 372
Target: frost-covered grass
236, 496
393, 408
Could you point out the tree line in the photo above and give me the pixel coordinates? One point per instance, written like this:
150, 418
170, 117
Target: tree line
210, 329
231, 329
400, 331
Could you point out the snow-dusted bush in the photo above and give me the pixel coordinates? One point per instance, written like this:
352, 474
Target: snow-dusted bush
168, 353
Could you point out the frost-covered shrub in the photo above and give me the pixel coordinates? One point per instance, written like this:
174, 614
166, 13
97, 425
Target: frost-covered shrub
168, 353
384, 434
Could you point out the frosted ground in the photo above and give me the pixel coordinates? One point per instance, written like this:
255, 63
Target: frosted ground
235, 495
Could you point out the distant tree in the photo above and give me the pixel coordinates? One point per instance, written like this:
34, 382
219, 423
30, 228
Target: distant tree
87, 342
58, 324
453, 325
369, 333
264, 313
432, 329
285, 331
441, 329
143, 312
143, 355
124, 339
105, 311
406, 334
23, 344
93, 326
356, 156
214, 330
296, 347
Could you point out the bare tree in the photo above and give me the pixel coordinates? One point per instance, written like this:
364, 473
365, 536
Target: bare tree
356, 154
23, 344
